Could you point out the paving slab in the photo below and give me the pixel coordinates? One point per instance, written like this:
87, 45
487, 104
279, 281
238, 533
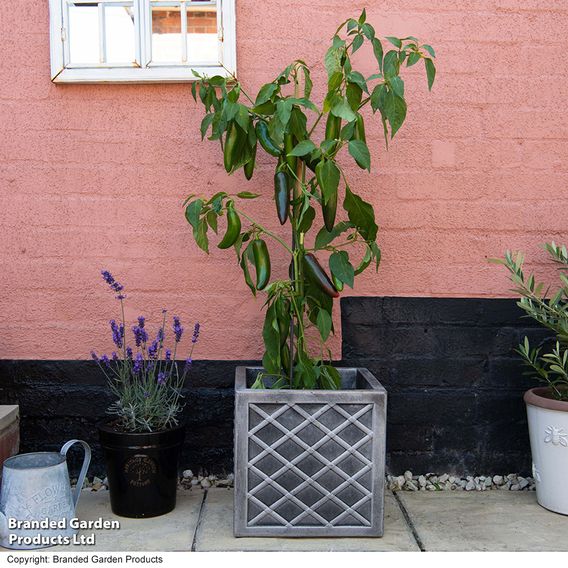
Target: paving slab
168, 533
484, 521
215, 532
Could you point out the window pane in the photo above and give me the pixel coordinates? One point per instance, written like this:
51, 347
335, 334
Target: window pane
202, 41
166, 34
119, 26
184, 42
83, 34
101, 33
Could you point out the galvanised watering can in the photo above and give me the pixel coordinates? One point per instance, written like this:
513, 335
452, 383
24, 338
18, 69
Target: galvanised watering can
37, 505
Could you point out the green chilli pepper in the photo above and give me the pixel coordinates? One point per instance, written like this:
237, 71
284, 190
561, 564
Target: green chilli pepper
289, 143
249, 166
329, 210
261, 263
333, 129
285, 358
283, 315
230, 146
264, 138
319, 275
359, 133
282, 196
233, 228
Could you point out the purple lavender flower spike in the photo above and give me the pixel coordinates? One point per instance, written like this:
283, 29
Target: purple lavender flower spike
114, 356
188, 364
153, 349
160, 335
107, 276
140, 335
168, 355
137, 367
117, 333
94, 356
195, 333
141, 322
113, 284
129, 352
178, 329
162, 377
105, 360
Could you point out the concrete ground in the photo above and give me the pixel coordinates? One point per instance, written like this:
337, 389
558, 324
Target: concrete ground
431, 521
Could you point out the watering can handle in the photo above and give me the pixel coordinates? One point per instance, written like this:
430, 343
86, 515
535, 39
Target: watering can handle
84, 468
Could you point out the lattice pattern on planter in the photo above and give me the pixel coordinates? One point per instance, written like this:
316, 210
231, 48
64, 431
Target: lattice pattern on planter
310, 465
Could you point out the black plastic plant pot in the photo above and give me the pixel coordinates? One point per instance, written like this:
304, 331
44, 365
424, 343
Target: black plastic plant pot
142, 470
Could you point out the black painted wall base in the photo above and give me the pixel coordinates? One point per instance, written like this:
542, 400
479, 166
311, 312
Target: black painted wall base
454, 382
60, 400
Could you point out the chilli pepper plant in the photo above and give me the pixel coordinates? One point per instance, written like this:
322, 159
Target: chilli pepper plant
145, 379
549, 368
283, 119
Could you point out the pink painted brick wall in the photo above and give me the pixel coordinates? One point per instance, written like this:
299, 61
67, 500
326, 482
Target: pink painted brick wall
93, 176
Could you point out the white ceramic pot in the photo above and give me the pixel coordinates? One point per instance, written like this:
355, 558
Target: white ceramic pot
548, 430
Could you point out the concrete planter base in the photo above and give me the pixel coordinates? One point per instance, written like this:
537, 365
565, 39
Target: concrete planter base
310, 463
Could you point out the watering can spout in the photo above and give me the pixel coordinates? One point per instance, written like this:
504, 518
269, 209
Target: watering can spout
3, 525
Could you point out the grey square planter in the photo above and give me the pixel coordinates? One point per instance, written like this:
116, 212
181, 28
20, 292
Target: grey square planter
310, 463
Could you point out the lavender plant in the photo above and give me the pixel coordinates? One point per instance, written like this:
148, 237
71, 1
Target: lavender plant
145, 380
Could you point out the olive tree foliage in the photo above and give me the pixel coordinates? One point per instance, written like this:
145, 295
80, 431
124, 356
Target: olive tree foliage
552, 312
309, 183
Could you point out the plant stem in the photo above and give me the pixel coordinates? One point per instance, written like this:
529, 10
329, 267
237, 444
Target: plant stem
297, 252
264, 230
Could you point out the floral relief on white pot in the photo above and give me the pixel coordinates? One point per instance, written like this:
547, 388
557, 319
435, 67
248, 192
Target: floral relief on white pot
556, 436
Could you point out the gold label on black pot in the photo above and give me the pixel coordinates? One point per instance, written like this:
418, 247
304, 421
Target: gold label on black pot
139, 470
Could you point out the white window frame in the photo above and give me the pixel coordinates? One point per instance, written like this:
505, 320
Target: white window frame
61, 72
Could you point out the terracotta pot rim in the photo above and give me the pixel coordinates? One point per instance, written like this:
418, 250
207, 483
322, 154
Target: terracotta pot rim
540, 396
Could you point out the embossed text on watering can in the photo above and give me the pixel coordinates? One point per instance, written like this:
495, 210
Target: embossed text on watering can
37, 506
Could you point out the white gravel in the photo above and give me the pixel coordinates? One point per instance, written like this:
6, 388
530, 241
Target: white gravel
406, 482
448, 482
187, 481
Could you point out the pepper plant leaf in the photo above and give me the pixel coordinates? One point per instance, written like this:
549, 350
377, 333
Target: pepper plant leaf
324, 323
265, 93
324, 237
430, 72
193, 211
200, 235
342, 109
341, 268
328, 178
303, 148
361, 214
360, 153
